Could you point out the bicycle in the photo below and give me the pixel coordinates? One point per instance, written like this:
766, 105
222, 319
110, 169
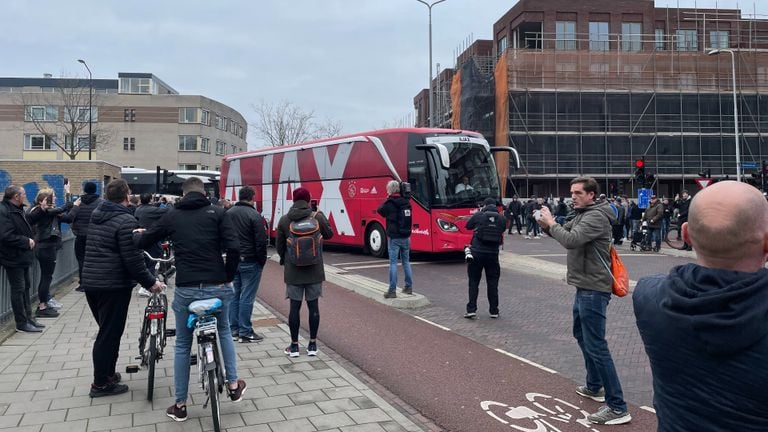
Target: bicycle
674, 238
153, 335
209, 358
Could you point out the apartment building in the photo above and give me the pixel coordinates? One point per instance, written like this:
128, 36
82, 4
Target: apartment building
137, 120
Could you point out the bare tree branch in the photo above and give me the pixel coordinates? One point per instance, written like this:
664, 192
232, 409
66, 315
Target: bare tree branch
283, 123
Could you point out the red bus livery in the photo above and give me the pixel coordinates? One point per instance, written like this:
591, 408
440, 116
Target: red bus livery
450, 172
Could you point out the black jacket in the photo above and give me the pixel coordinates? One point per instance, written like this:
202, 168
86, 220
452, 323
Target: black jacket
705, 333
80, 220
15, 233
515, 208
488, 215
305, 275
47, 224
112, 261
251, 231
682, 206
148, 215
390, 209
200, 232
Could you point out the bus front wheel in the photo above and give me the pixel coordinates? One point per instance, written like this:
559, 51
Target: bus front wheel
376, 240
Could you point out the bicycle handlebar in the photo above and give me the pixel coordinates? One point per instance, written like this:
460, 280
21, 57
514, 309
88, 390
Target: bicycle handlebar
161, 260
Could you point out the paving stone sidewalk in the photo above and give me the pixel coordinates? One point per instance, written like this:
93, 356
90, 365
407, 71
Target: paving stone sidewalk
45, 379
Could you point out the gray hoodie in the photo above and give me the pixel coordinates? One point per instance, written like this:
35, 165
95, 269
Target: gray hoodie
583, 236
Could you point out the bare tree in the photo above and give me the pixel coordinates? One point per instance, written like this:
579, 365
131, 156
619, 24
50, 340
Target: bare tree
284, 123
65, 111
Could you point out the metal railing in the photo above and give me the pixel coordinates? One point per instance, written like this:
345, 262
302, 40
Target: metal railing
66, 267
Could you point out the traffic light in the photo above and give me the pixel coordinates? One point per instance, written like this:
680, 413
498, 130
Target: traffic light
640, 172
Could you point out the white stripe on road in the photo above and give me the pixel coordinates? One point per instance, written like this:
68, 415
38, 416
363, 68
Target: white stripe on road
357, 262
647, 408
375, 266
525, 360
430, 322
621, 254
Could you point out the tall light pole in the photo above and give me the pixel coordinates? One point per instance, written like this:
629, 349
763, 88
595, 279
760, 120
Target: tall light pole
90, 106
735, 109
431, 98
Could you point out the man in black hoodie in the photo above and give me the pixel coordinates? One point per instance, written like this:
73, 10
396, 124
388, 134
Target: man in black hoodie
88, 203
488, 226
397, 210
200, 232
704, 324
148, 215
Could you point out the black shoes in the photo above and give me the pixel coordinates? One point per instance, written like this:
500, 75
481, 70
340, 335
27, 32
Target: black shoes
48, 312
177, 413
35, 323
109, 389
292, 350
79, 289
390, 295
408, 290
470, 315
312, 349
251, 338
28, 328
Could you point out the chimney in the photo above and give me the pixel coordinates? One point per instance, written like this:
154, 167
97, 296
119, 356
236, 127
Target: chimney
47, 75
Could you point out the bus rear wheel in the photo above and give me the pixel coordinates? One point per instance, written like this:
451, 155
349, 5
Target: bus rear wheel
376, 240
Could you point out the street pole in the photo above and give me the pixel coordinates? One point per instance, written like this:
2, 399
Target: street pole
431, 96
90, 107
735, 110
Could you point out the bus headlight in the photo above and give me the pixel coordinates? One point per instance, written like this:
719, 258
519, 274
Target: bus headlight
447, 226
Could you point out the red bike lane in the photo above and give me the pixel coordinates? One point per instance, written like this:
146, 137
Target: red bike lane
457, 383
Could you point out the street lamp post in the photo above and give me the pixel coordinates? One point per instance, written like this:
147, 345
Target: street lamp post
735, 109
90, 107
431, 98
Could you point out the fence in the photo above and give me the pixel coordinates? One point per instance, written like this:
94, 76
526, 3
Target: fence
66, 267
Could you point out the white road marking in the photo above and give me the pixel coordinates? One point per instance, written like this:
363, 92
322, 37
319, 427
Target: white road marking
375, 266
430, 322
647, 408
563, 255
358, 262
525, 360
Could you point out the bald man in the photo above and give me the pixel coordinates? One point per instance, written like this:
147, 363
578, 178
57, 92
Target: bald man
705, 325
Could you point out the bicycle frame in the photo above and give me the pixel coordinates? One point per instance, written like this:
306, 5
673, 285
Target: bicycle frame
209, 351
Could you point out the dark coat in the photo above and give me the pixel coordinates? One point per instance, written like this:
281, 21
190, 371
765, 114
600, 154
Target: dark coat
390, 209
112, 261
682, 206
515, 207
706, 337
15, 233
251, 230
148, 215
300, 275
488, 215
200, 232
82, 217
653, 214
47, 224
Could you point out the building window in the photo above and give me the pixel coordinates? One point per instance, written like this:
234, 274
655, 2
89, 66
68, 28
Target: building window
234, 149
221, 148
631, 37
565, 35
129, 143
41, 113
206, 118
598, 36
39, 142
217, 168
687, 40
501, 46
80, 114
187, 142
129, 115
718, 39
136, 85
205, 146
189, 115
46, 89
204, 167
82, 142
658, 44
188, 167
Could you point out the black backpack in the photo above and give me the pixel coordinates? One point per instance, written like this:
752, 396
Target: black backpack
490, 232
304, 245
403, 220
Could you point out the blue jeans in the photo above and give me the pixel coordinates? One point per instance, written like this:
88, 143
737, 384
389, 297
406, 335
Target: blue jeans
402, 247
654, 236
183, 297
246, 283
589, 330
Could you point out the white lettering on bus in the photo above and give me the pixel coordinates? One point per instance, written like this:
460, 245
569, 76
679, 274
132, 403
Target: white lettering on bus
289, 180
234, 180
331, 201
266, 191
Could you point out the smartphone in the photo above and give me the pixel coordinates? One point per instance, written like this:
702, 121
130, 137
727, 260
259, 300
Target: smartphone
537, 214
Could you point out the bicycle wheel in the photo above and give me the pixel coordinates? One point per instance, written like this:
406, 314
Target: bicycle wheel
213, 393
151, 361
674, 238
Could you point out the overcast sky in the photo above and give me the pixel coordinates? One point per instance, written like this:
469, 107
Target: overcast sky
359, 62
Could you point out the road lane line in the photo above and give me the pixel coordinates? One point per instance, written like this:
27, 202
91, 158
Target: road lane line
647, 408
375, 266
358, 262
430, 322
525, 360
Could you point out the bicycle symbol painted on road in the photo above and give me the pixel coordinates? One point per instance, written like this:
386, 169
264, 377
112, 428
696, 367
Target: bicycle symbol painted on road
549, 413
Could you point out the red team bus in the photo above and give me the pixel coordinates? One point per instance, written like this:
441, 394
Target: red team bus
347, 177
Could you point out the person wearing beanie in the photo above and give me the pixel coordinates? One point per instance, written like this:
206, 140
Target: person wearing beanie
80, 221
302, 281
488, 226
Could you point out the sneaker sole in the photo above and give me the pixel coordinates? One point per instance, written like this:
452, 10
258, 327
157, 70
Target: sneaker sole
241, 395
618, 421
311, 353
178, 419
594, 398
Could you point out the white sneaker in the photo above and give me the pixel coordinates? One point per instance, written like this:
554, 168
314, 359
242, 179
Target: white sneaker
52, 302
538, 237
527, 237
143, 292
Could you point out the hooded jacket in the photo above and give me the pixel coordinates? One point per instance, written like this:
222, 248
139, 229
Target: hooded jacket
300, 275
200, 232
251, 231
148, 215
706, 334
15, 233
112, 262
390, 210
653, 214
487, 216
82, 215
583, 236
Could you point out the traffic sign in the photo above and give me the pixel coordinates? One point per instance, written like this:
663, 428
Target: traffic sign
703, 182
749, 165
643, 198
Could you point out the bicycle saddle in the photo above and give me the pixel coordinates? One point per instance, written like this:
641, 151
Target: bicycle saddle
205, 307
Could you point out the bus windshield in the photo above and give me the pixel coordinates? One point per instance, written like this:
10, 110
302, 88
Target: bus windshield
470, 178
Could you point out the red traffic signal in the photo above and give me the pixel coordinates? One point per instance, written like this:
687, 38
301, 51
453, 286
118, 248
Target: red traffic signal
640, 164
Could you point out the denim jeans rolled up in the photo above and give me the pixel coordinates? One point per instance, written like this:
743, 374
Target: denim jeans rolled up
246, 285
401, 247
589, 317
183, 297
